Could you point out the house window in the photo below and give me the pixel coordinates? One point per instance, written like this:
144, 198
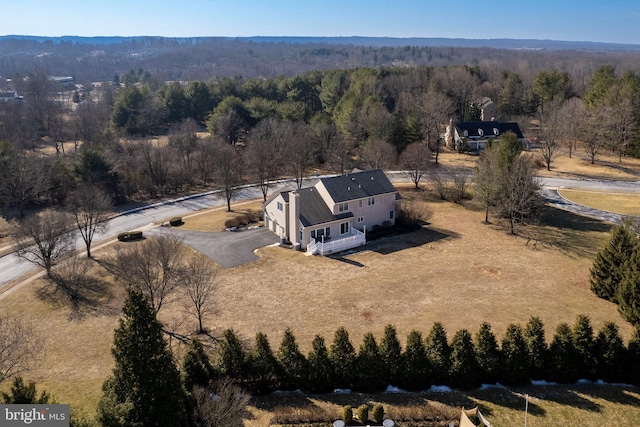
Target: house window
390, 214
344, 228
371, 201
359, 203
360, 219
317, 234
343, 207
300, 235
280, 206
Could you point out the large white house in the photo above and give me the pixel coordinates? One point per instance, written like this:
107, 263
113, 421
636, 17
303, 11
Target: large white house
335, 213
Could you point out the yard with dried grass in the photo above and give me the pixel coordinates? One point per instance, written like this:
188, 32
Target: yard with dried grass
455, 270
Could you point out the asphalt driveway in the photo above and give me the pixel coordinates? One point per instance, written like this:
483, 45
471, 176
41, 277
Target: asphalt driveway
226, 248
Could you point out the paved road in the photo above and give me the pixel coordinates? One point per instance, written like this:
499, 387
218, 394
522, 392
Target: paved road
11, 267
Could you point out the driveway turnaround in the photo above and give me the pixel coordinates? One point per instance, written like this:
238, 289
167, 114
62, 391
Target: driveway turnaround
227, 248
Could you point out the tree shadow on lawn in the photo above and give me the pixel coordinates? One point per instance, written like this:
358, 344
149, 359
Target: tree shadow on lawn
413, 239
566, 231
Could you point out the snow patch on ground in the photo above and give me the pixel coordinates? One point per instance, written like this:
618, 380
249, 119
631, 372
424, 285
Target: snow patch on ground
542, 383
393, 389
342, 391
488, 386
440, 389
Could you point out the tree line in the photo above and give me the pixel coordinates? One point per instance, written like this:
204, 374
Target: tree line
146, 381
221, 133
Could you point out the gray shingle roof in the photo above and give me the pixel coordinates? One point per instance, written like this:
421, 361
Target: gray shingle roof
487, 128
358, 185
313, 209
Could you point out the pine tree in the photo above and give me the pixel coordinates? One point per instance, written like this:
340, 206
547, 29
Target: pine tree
292, 362
342, 356
370, 366
488, 354
264, 368
145, 388
516, 357
416, 370
320, 375
438, 353
611, 355
196, 366
633, 355
608, 267
563, 356
464, 365
391, 354
628, 295
536, 347
22, 393
584, 343
231, 357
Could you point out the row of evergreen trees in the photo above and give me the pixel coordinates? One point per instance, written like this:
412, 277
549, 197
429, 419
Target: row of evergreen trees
615, 274
465, 361
147, 388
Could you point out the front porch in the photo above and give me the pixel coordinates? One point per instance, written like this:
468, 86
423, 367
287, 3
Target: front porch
352, 239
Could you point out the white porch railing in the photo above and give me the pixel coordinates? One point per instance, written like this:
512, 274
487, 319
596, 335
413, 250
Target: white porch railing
354, 239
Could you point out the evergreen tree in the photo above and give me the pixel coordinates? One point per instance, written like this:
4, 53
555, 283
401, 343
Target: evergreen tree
563, 356
611, 355
633, 355
488, 355
584, 344
264, 368
342, 356
416, 370
628, 295
391, 354
21, 393
438, 353
196, 367
370, 366
536, 347
292, 362
464, 365
145, 388
320, 375
608, 268
231, 357
516, 356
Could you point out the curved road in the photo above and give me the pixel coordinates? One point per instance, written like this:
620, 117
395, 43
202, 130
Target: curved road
145, 218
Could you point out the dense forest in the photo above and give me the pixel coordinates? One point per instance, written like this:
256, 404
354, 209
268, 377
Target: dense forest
138, 134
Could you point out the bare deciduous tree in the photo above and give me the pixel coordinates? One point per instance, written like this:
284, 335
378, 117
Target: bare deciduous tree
45, 239
222, 406
595, 130
571, 113
266, 151
20, 347
229, 167
200, 286
155, 266
518, 196
71, 276
379, 154
300, 151
552, 127
90, 208
435, 110
415, 160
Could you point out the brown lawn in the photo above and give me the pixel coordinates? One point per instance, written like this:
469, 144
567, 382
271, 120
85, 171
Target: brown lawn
456, 270
622, 203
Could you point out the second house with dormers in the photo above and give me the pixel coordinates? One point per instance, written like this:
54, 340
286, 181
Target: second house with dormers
334, 214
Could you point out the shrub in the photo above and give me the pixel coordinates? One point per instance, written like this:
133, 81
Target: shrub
362, 413
254, 216
242, 219
377, 413
127, 236
414, 212
176, 221
232, 222
347, 414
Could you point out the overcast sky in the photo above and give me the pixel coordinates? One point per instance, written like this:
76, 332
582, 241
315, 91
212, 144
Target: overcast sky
614, 21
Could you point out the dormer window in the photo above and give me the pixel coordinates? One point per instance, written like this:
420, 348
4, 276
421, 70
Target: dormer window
465, 133
496, 131
480, 132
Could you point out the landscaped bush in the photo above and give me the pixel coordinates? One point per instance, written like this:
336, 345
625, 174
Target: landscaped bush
347, 414
362, 413
378, 413
176, 221
128, 236
243, 219
231, 223
414, 213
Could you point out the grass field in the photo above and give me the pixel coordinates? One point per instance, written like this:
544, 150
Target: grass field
622, 203
456, 270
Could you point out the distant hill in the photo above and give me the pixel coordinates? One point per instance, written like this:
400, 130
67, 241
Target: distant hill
524, 44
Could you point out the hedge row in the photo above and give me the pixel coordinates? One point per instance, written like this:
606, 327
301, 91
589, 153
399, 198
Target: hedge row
465, 361
244, 219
